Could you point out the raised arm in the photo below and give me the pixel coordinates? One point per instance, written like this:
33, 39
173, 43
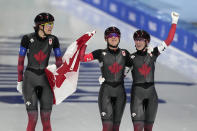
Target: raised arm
167, 42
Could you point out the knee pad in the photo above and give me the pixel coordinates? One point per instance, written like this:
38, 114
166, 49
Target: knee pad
30, 106
106, 116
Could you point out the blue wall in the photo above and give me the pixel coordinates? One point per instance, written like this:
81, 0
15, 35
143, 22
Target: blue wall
139, 17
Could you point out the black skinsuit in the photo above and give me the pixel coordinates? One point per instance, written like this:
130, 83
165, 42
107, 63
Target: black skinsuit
112, 96
35, 83
144, 100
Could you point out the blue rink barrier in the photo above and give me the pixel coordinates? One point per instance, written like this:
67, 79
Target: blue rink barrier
138, 16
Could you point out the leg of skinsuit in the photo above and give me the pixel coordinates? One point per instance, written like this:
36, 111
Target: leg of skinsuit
116, 127
46, 103
138, 126
105, 108
107, 126
116, 123
45, 118
148, 127
151, 110
119, 106
31, 100
137, 108
32, 120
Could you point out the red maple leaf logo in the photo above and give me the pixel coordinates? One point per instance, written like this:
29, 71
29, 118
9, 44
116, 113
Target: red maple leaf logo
144, 70
40, 56
115, 68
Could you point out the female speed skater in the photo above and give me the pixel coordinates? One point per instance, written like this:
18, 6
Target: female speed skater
34, 84
144, 99
112, 96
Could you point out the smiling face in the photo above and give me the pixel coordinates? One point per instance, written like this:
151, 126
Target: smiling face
113, 39
141, 39
140, 44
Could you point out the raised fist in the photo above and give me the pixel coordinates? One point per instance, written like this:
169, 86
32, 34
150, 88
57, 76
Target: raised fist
175, 17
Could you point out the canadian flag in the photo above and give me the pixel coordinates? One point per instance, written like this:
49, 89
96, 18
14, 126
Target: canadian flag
63, 80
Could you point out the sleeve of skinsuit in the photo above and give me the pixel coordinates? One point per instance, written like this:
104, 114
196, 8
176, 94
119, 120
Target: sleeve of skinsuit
97, 54
128, 64
91, 56
167, 42
170, 35
169, 39
161, 48
21, 57
129, 61
57, 52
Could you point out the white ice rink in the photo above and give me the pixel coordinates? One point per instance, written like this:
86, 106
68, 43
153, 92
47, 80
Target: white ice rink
175, 76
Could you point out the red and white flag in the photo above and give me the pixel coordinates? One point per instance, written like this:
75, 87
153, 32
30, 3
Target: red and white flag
63, 80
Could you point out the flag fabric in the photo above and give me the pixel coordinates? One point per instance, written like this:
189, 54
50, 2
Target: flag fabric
63, 80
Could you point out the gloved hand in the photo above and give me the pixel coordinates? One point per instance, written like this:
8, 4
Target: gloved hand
101, 80
126, 71
19, 87
150, 50
52, 68
175, 17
